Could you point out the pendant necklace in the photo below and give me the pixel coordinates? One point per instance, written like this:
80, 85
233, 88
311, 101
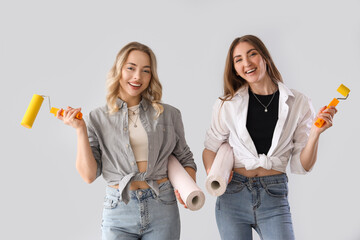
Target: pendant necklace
134, 112
266, 107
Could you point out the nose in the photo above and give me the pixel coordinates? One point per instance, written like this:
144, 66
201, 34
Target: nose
247, 62
137, 75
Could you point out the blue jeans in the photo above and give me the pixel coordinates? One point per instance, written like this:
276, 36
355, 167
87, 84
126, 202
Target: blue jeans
146, 216
260, 203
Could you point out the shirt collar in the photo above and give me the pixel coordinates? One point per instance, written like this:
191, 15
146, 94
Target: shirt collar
144, 103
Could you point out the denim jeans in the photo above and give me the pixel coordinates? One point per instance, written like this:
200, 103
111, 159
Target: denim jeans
260, 203
146, 216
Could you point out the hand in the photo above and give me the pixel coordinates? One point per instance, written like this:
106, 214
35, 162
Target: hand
326, 114
230, 177
68, 117
177, 194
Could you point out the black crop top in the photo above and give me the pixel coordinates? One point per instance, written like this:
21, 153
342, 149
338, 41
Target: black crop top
261, 124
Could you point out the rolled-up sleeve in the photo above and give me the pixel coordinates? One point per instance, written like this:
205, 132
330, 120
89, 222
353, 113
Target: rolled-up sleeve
182, 151
94, 145
300, 139
218, 131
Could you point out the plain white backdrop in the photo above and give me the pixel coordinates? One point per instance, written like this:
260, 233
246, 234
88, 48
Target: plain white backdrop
64, 49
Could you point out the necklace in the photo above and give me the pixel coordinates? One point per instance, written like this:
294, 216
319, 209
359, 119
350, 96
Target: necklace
134, 113
266, 107
134, 122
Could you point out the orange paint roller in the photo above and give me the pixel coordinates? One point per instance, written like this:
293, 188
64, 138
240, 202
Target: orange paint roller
343, 90
34, 107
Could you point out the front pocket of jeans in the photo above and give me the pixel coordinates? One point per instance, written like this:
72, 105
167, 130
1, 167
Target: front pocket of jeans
234, 187
277, 189
168, 197
110, 202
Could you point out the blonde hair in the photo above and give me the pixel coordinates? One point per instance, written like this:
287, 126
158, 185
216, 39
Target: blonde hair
153, 93
232, 81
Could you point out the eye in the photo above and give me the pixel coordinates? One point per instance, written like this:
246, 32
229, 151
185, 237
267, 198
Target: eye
253, 54
146, 71
130, 68
238, 60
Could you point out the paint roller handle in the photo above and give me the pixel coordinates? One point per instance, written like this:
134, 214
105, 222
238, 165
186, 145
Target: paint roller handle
55, 110
320, 122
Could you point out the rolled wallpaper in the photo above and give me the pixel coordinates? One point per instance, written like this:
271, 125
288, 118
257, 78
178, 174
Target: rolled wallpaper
189, 191
219, 174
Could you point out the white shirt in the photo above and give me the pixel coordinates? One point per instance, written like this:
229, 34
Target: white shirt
296, 115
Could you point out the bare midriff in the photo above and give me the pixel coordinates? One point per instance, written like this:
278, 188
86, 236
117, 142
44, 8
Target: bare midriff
135, 185
258, 172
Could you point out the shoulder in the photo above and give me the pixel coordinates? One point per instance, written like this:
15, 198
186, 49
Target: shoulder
301, 102
300, 97
169, 109
238, 101
99, 111
97, 114
292, 93
171, 115
298, 94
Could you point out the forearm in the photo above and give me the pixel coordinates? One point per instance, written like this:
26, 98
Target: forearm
191, 172
208, 159
85, 161
309, 153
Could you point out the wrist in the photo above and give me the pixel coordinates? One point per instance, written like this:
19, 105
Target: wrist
81, 129
314, 134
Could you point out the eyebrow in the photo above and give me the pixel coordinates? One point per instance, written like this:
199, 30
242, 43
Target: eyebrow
246, 53
136, 65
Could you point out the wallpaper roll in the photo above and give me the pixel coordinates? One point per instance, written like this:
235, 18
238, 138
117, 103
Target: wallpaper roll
189, 191
219, 174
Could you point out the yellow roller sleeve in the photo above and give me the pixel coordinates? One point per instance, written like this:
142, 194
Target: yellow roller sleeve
32, 111
343, 90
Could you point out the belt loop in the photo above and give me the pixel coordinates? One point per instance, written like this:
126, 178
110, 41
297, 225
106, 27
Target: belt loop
153, 194
250, 183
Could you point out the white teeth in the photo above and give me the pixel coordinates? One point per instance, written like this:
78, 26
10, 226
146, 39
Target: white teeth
250, 71
134, 85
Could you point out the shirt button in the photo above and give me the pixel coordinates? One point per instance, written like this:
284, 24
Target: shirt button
125, 128
133, 163
140, 193
127, 145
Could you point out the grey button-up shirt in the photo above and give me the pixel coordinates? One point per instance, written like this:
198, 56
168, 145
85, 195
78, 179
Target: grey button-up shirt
110, 144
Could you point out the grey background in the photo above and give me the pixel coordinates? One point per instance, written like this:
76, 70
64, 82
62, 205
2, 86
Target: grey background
64, 49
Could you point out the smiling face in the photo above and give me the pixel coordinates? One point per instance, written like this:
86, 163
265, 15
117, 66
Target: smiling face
249, 64
135, 77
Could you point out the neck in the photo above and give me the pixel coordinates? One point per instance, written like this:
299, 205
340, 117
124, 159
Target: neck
263, 88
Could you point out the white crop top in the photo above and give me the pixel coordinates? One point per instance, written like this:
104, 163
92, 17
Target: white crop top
138, 135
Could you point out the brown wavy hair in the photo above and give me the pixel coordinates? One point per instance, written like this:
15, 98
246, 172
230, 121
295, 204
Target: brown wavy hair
232, 81
153, 93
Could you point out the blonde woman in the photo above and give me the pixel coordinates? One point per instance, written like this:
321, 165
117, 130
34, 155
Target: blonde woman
266, 124
129, 141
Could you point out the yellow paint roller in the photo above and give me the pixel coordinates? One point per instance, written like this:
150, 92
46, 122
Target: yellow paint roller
33, 110
343, 90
